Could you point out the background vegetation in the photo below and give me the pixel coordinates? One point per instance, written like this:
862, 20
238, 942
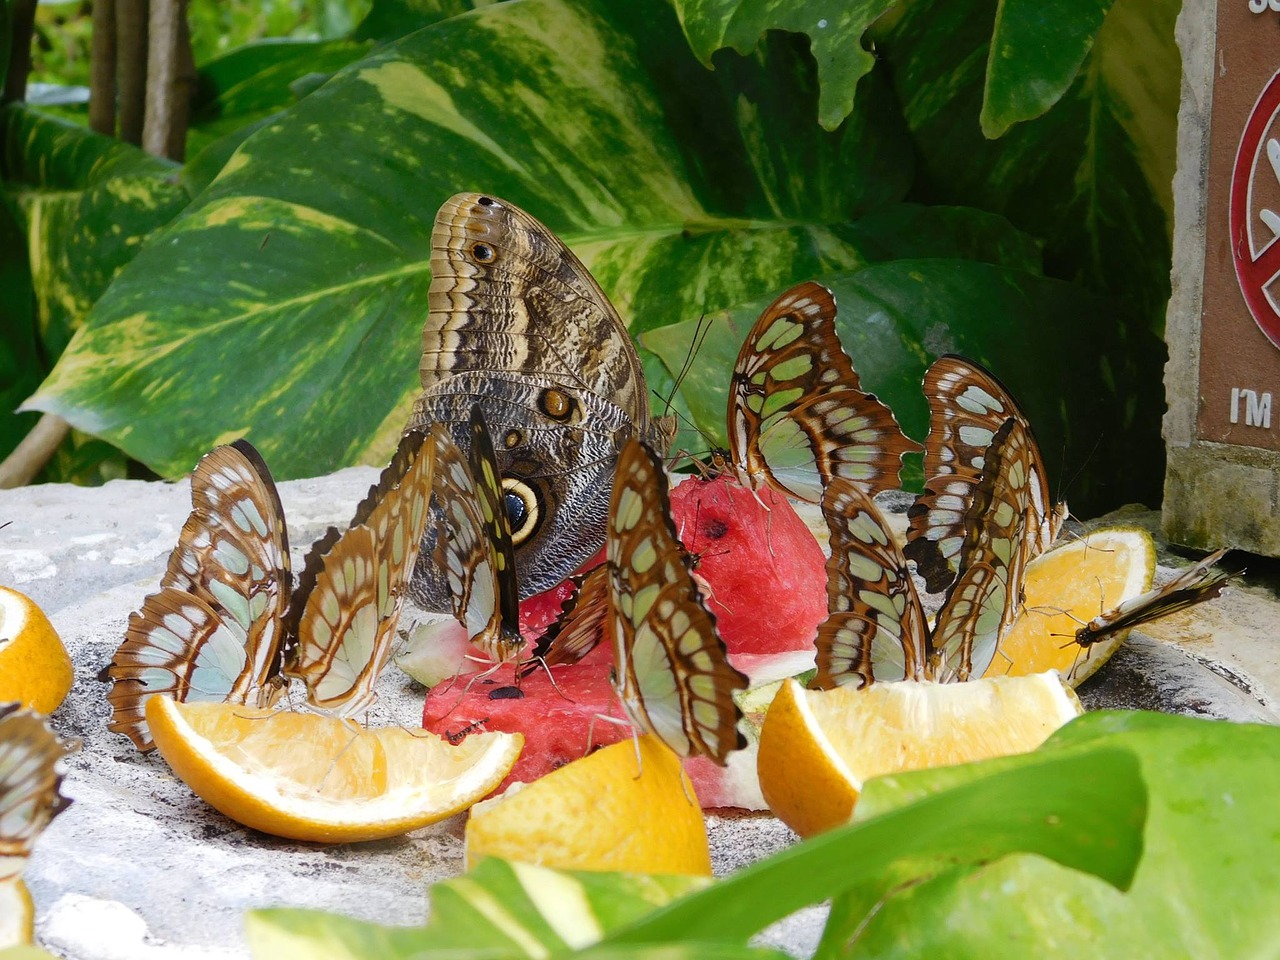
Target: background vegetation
968, 176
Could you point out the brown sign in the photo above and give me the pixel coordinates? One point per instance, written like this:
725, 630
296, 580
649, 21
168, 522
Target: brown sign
1240, 326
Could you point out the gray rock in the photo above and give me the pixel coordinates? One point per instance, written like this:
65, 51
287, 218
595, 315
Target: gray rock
139, 867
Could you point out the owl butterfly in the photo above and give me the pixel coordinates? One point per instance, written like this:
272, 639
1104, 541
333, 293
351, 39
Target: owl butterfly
518, 326
1194, 585
670, 668
31, 757
876, 627
797, 415
472, 542
213, 630
223, 628
967, 405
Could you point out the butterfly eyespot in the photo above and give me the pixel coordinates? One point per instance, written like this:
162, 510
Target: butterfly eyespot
523, 512
483, 252
556, 404
486, 201
512, 439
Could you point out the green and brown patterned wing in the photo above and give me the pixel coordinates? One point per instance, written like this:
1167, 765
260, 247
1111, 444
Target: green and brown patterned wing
471, 542
672, 673
984, 599
214, 629
31, 760
967, 405
875, 627
349, 597
797, 415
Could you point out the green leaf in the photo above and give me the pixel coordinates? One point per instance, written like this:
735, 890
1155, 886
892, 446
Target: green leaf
21, 365
1204, 888
896, 317
392, 19
256, 81
834, 30
497, 909
1036, 52
319, 232
1084, 810
1092, 177
87, 203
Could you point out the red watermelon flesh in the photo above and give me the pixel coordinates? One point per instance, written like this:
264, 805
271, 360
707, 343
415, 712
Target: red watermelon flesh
766, 577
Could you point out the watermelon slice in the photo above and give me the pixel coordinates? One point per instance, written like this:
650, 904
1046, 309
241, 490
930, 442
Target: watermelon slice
766, 583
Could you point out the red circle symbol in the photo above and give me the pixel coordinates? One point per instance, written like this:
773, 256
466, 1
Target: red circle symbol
1253, 235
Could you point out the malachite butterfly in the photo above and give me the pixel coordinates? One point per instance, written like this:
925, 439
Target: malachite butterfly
31, 760
671, 670
967, 405
797, 415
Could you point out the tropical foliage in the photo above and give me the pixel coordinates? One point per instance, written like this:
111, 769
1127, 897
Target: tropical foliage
1128, 834
275, 285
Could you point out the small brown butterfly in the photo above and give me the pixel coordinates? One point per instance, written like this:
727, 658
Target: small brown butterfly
1194, 585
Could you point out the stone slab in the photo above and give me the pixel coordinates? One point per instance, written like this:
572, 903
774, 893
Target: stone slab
139, 868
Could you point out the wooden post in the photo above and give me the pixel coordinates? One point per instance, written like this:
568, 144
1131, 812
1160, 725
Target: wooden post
102, 69
131, 78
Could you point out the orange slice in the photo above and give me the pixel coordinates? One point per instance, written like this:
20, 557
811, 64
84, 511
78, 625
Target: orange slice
311, 777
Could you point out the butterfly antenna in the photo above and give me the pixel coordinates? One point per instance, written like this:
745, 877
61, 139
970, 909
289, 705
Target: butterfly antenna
700, 332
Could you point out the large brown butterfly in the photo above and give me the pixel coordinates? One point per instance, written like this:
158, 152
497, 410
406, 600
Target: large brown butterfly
519, 327
797, 414
876, 627
671, 671
967, 405
31, 757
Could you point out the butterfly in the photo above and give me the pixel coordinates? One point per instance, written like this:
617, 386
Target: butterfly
343, 615
1194, 585
31, 756
213, 630
876, 628
518, 326
797, 415
472, 541
967, 405
670, 668
226, 626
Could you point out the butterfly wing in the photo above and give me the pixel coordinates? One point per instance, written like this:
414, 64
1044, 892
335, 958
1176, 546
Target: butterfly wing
983, 600
876, 627
31, 757
344, 612
214, 629
471, 543
797, 415
581, 623
967, 406
518, 326
1194, 585
672, 673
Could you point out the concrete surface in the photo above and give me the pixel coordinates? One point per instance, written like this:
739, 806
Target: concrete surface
140, 868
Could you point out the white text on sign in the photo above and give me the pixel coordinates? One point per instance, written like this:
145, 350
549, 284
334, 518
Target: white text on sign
1257, 407
1262, 6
